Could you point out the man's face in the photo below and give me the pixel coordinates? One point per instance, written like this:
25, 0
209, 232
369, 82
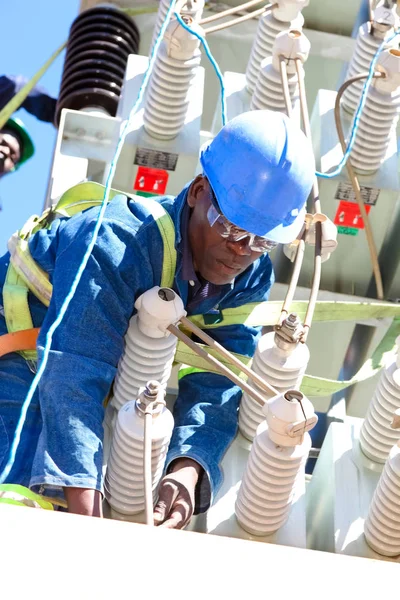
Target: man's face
10, 151
215, 258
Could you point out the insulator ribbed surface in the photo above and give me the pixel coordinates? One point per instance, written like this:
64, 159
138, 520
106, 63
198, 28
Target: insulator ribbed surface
124, 481
282, 370
99, 43
267, 30
376, 435
382, 526
376, 126
268, 93
273, 474
365, 49
168, 95
144, 358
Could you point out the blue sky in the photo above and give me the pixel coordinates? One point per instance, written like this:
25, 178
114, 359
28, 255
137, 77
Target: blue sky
31, 32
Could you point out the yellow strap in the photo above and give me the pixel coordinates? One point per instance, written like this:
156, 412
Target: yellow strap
267, 313
311, 385
22, 496
15, 102
30, 272
16, 308
193, 363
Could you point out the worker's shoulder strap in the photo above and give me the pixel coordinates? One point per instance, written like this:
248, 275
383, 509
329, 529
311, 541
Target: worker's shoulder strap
25, 274
89, 194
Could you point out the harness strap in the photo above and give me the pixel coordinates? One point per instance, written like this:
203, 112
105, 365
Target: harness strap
19, 341
25, 274
19, 495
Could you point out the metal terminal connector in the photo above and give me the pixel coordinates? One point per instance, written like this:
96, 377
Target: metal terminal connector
289, 332
151, 398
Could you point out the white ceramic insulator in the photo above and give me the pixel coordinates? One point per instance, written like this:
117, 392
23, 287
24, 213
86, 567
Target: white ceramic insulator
124, 480
149, 348
270, 483
284, 369
365, 49
379, 118
382, 526
377, 436
170, 87
189, 8
269, 27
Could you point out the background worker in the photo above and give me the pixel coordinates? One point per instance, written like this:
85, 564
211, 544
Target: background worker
16, 146
257, 174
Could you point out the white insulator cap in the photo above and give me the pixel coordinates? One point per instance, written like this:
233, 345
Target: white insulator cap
290, 45
385, 17
192, 8
287, 10
181, 44
289, 416
158, 308
389, 64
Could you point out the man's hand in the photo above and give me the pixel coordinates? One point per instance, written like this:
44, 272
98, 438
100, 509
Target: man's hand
175, 505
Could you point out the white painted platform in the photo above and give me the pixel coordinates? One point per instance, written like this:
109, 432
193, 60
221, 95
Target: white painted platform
339, 494
69, 556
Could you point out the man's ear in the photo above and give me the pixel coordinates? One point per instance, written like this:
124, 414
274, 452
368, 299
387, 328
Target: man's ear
197, 189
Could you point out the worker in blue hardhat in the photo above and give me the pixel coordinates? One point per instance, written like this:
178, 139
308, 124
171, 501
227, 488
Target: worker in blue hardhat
16, 146
257, 174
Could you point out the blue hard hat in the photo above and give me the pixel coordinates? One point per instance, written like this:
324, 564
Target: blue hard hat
261, 168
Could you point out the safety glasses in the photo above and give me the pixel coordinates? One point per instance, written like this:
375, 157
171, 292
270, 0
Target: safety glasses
232, 233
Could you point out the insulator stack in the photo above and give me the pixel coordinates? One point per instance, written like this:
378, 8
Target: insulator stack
286, 15
289, 45
379, 118
149, 347
282, 367
100, 41
382, 526
377, 436
124, 481
370, 36
170, 86
186, 8
275, 470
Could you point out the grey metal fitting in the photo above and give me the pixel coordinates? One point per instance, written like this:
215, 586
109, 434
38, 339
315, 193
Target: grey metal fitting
289, 333
153, 394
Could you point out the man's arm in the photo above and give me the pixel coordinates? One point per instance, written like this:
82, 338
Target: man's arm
84, 501
38, 102
206, 410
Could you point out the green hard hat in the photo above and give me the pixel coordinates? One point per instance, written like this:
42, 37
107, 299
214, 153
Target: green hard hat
28, 149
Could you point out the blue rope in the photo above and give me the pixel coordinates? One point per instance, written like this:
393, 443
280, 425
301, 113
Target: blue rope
360, 108
212, 61
78, 276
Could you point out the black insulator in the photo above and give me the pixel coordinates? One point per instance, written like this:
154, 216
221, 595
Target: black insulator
100, 41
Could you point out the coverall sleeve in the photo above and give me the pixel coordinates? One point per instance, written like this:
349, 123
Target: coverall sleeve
206, 410
38, 102
85, 350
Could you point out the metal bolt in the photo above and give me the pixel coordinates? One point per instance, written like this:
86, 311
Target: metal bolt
152, 388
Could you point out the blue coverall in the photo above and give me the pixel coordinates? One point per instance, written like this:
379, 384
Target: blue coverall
62, 441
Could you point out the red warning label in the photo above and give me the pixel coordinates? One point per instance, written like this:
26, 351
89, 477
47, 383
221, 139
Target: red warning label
150, 180
348, 215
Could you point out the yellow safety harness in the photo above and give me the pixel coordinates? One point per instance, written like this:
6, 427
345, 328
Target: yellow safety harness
25, 275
